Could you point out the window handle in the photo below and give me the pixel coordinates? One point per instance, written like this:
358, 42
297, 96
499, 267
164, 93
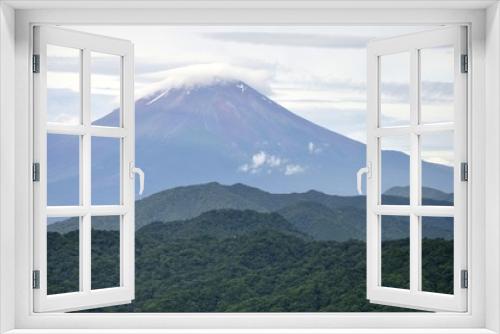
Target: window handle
364, 170
136, 170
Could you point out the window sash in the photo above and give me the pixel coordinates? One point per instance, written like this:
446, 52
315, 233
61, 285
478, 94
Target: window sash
414, 297
86, 297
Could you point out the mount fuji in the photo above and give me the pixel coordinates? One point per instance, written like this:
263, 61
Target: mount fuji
227, 131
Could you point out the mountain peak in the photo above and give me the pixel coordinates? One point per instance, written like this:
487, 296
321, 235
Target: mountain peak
186, 91
201, 75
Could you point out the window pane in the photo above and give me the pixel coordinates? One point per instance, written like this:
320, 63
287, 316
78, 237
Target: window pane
436, 85
63, 85
437, 254
437, 168
395, 170
105, 252
106, 157
395, 248
63, 255
395, 89
105, 81
63, 170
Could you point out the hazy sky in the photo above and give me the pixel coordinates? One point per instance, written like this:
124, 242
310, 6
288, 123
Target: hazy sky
317, 72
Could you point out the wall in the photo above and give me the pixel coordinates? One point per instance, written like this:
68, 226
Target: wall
492, 167
6, 168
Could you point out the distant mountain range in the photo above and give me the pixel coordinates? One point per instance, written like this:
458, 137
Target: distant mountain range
213, 209
230, 133
428, 194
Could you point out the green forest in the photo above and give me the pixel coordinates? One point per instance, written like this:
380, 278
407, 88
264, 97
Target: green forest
229, 260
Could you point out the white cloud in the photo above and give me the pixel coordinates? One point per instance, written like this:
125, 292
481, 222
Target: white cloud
313, 148
244, 168
63, 80
445, 159
273, 161
267, 163
205, 74
293, 169
65, 119
261, 160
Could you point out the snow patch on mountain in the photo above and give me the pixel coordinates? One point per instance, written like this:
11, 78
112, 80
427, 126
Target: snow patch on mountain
157, 97
193, 76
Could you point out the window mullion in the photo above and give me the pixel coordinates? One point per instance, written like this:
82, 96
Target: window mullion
86, 227
415, 253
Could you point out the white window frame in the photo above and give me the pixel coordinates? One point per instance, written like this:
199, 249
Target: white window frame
86, 297
484, 122
455, 37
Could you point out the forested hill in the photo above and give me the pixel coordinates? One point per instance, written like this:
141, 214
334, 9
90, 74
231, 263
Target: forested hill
319, 215
242, 261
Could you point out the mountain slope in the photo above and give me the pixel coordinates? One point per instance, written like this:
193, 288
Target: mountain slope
323, 223
230, 133
189, 202
221, 224
428, 194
